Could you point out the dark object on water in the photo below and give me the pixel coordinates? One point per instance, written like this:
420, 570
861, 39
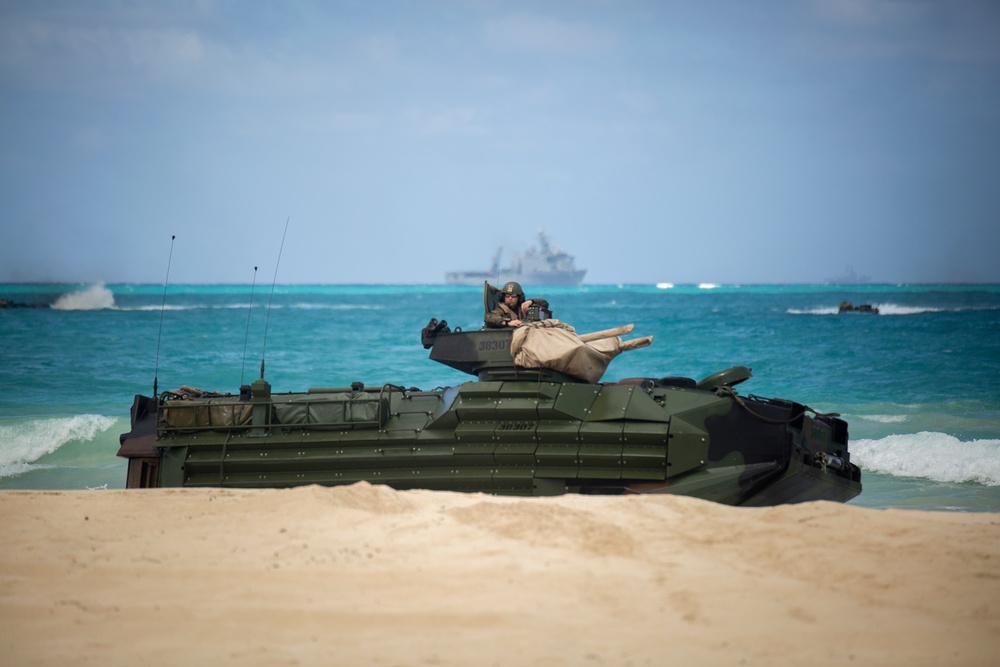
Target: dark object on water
537, 421
848, 307
6, 303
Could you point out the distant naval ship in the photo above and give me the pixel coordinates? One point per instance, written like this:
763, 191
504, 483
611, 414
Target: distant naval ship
849, 278
540, 265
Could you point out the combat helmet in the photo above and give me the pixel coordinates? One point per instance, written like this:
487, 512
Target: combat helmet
512, 288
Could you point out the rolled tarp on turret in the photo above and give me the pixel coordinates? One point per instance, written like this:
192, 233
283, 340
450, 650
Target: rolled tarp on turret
555, 345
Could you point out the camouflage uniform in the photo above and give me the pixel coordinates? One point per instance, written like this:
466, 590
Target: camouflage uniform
499, 316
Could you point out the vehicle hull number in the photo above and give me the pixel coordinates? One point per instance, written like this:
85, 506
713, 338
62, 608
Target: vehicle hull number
493, 344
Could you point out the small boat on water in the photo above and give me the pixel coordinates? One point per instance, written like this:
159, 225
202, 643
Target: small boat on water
537, 420
848, 307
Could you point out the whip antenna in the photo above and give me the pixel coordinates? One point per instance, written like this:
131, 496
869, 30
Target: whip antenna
163, 305
267, 319
247, 337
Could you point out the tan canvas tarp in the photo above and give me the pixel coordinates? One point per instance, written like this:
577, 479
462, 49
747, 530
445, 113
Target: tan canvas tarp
556, 345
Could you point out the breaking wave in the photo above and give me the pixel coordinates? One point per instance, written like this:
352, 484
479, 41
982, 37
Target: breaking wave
95, 297
883, 309
894, 309
23, 443
934, 456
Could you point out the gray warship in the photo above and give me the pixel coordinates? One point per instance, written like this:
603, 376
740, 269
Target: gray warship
542, 265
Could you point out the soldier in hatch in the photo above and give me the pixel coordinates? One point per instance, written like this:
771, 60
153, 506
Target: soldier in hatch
513, 310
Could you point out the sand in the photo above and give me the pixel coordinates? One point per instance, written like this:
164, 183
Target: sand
364, 575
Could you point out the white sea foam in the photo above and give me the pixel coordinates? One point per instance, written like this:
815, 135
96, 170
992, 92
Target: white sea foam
22, 444
707, 285
883, 309
664, 285
832, 310
935, 456
895, 309
95, 297
884, 419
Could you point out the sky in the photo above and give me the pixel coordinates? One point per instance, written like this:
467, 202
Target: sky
339, 141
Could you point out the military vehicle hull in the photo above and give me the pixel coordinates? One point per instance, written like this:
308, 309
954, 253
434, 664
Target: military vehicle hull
514, 431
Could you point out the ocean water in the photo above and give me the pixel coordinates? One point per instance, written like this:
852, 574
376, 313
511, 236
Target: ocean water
917, 383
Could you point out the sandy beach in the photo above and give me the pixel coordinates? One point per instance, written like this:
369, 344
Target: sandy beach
364, 575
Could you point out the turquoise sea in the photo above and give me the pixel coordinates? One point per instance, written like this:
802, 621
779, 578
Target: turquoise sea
919, 383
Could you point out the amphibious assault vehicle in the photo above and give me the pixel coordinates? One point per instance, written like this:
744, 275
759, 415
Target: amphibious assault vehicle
536, 421
848, 307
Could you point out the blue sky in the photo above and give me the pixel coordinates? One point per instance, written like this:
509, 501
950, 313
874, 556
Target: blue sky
730, 142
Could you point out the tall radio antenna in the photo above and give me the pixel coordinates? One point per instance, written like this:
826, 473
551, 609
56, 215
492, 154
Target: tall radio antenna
163, 305
267, 319
247, 336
